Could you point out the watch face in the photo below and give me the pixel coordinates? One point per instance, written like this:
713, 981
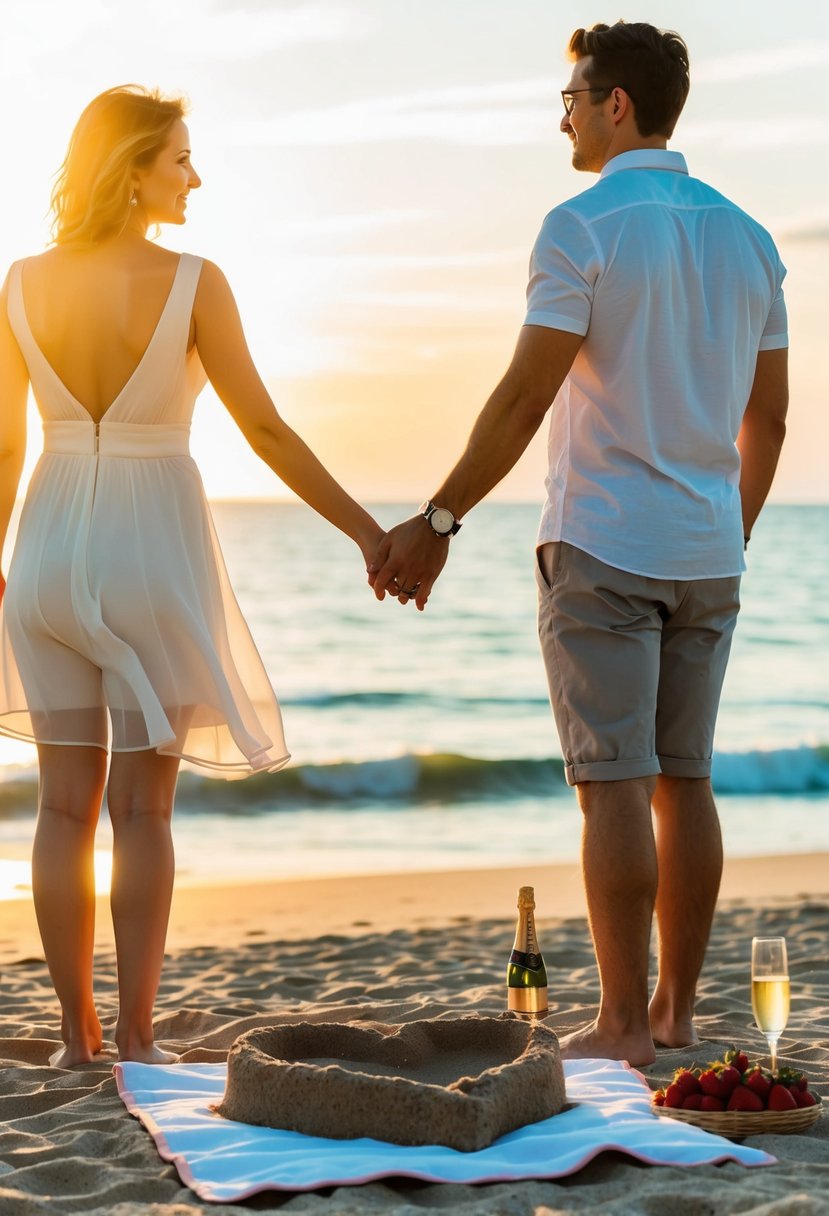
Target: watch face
442, 520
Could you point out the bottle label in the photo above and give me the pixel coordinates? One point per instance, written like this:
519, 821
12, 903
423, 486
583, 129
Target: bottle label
532, 962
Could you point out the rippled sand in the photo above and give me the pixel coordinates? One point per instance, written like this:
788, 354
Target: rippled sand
68, 1145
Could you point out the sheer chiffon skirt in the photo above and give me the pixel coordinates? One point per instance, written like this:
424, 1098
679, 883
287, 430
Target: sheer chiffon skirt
119, 626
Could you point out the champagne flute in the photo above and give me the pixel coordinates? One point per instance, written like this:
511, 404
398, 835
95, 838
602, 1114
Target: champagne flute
770, 989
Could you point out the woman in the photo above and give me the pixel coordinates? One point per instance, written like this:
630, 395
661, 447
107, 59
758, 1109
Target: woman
119, 628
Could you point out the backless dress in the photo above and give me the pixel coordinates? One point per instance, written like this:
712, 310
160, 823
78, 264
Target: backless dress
119, 627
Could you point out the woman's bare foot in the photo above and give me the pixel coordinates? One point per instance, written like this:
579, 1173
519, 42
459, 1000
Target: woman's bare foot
144, 1053
92, 1030
81, 1046
593, 1043
78, 1051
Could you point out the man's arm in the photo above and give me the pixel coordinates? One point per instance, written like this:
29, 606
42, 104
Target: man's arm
411, 553
762, 432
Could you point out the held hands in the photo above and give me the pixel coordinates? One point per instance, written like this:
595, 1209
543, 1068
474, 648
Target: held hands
408, 562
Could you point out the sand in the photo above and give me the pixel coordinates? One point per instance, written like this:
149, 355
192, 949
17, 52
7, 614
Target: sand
459, 1082
396, 949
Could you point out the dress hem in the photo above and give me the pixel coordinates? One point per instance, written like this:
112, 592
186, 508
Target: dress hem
239, 768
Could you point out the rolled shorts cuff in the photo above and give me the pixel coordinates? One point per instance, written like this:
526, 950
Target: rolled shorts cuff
613, 770
675, 766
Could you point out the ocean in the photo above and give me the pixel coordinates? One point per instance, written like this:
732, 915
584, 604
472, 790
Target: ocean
425, 741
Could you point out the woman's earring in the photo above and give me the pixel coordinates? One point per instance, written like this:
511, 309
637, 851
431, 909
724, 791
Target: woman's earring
133, 201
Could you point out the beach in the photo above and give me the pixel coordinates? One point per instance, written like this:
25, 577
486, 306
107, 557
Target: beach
389, 949
375, 878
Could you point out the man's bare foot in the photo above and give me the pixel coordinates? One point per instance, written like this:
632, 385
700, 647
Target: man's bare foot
672, 1024
147, 1053
670, 1033
592, 1043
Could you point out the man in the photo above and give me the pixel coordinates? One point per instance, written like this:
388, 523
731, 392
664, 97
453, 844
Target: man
656, 326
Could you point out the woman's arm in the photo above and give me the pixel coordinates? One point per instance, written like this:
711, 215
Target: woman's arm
230, 369
14, 387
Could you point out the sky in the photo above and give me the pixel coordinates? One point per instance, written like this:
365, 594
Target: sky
375, 174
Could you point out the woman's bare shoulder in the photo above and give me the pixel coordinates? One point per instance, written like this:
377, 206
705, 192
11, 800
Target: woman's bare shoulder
213, 285
211, 272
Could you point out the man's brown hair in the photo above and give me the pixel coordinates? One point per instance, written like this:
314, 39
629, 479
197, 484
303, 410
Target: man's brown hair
651, 66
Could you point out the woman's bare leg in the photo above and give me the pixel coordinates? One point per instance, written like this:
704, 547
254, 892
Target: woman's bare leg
140, 795
63, 884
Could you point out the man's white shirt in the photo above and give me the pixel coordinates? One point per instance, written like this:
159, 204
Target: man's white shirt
675, 290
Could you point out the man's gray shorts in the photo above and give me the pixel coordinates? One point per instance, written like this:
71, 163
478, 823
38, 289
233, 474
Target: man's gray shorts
635, 665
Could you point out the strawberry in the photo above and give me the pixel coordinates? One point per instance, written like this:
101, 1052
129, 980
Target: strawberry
675, 1097
804, 1098
781, 1099
791, 1077
687, 1081
737, 1058
659, 1098
758, 1082
729, 1080
742, 1098
693, 1101
710, 1102
709, 1082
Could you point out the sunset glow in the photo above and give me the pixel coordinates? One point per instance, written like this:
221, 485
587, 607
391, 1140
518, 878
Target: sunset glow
16, 876
374, 177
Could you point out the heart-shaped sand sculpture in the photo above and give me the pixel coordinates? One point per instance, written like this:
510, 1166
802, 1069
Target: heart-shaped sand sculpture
461, 1082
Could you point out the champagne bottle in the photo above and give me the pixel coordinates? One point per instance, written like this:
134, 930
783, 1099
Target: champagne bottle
526, 973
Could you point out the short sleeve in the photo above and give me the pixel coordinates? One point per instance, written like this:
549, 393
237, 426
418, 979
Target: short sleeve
776, 333
564, 266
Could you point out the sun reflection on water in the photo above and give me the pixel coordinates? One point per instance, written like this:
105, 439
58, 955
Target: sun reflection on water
16, 876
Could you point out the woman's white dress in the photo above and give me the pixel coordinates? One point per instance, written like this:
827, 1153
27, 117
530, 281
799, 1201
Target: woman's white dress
118, 604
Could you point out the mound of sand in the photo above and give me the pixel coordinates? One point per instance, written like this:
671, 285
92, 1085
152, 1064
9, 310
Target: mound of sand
461, 1083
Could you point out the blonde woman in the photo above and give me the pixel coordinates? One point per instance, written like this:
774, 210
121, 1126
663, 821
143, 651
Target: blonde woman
119, 630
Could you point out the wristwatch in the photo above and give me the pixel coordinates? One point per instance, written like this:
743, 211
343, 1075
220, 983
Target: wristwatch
440, 519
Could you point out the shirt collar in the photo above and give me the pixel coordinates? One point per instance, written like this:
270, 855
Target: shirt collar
646, 158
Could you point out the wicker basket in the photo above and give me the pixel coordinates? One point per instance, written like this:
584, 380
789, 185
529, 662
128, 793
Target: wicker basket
735, 1124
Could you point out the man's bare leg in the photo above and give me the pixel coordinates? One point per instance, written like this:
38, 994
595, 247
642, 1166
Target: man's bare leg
63, 885
620, 878
689, 851
140, 796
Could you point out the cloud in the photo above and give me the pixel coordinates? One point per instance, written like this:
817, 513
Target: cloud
504, 113
770, 61
815, 235
432, 301
349, 224
473, 260
813, 229
411, 263
242, 31
187, 30
793, 131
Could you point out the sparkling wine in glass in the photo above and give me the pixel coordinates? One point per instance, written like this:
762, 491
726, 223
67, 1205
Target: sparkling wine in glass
770, 989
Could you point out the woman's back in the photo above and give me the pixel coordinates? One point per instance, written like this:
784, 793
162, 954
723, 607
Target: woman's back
94, 313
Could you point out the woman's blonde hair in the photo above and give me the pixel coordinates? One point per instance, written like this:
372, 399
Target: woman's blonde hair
120, 130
